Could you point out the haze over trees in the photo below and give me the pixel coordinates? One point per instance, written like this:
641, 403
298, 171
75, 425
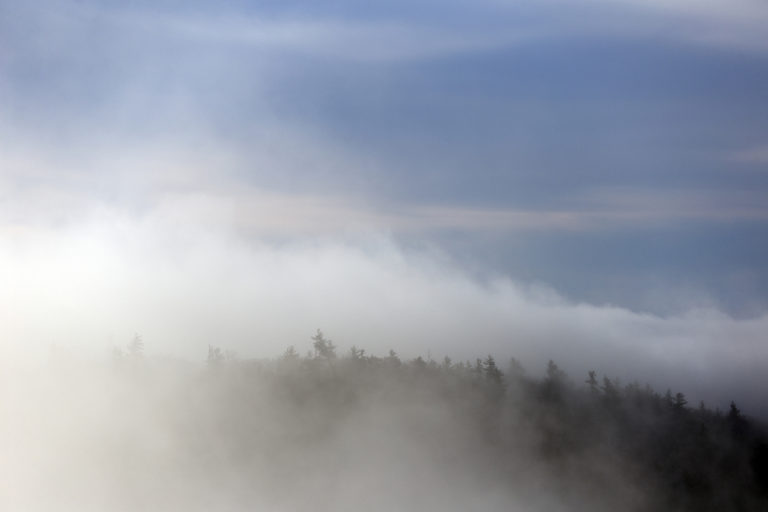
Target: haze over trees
578, 184
331, 431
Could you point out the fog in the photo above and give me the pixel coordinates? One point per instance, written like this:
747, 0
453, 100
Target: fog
90, 286
177, 437
193, 263
535, 232
325, 432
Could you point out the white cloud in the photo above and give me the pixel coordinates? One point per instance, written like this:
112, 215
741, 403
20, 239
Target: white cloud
184, 286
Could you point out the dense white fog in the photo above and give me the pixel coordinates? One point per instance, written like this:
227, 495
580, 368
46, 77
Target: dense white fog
140, 435
89, 288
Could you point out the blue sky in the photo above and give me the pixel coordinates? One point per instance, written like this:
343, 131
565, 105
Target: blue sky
613, 153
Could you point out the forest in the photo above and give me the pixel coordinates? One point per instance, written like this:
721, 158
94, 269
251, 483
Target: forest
343, 431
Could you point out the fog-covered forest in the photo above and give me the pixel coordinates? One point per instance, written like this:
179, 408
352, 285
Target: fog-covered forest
535, 233
332, 430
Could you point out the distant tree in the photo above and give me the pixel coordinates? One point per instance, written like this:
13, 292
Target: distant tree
290, 354
324, 347
356, 354
135, 348
734, 413
494, 380
492, 372
392, 359
737, 422
610, 391
554, 373
215, 356
679, 402
668, 399
553, 386
592, 381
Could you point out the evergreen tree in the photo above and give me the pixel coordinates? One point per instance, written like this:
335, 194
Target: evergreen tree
679, 402
324, 348
592, 381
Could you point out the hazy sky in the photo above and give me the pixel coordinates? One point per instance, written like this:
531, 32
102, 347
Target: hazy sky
249, 171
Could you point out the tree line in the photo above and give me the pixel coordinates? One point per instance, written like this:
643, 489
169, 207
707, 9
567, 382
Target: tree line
684, 457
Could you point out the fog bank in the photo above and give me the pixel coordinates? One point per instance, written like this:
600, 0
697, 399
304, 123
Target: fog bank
90, 286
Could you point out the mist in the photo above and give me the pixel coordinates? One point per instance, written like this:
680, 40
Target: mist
173, 436
387, 255
331, 432
184, 287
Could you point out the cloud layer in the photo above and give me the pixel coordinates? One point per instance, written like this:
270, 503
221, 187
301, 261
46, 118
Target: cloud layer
90, 287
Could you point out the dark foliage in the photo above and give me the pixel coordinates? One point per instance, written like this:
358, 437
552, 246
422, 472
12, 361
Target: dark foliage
686, 459
597, 444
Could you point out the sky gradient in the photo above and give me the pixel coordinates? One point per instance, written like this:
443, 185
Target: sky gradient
171, 167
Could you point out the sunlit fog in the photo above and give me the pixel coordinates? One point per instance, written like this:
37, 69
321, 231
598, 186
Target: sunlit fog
392, 255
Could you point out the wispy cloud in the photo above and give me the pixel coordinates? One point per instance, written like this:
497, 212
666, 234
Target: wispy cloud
353, 40
753, 155
400, 38
737, 24
730, 25
397, 39
174, 186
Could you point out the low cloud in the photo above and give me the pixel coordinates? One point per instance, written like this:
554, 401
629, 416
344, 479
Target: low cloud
89, 287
